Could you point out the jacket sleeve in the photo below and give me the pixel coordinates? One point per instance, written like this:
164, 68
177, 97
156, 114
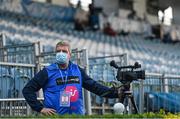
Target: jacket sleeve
34, 85
95, 87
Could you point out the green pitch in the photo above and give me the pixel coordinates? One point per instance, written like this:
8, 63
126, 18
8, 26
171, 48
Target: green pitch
161, 114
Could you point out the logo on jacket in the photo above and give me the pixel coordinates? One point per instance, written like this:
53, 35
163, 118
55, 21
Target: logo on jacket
71, 80
73, 92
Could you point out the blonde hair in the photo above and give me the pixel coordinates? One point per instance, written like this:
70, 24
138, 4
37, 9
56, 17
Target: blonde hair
64, 43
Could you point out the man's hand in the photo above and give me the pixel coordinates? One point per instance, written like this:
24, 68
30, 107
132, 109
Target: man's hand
48, 111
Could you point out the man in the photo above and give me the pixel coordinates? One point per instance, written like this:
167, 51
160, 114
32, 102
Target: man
62, 84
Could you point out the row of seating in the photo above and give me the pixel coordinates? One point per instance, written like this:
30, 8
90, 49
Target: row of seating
154, 56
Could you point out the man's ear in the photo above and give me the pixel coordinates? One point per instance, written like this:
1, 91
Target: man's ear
69, 54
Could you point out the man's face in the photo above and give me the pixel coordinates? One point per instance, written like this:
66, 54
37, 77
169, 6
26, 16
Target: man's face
63, 49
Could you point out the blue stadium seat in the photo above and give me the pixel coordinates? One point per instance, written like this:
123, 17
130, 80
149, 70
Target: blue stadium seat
166, 101
6, 88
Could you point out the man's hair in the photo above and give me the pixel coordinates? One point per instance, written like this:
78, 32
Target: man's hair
64, 43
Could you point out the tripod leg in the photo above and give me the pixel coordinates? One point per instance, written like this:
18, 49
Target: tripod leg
126, 105
121, 99
134, 104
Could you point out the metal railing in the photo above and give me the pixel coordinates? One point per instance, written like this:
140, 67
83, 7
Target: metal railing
21, 53
15, 107
162, 90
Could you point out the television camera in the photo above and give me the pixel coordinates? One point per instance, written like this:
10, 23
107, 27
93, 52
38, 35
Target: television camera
126, 77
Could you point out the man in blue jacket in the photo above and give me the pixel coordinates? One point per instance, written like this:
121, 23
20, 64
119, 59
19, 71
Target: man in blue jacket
62, 84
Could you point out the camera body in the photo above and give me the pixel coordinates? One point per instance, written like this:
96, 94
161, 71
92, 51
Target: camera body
124, 76
128, 75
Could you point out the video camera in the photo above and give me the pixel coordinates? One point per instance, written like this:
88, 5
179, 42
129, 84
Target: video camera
129, 75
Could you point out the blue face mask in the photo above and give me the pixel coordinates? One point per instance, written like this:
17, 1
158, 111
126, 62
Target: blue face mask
62, 58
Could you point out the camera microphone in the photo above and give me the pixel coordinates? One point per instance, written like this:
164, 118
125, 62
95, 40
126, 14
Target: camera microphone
137, 65
113, 64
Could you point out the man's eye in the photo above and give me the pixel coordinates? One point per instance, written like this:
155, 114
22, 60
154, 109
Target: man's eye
65, 51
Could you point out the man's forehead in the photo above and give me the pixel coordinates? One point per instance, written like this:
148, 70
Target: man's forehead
61, 47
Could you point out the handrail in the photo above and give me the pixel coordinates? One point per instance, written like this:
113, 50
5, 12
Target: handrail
17, 64
16, 99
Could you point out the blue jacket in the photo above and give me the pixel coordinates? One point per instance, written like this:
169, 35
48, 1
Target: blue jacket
53, 80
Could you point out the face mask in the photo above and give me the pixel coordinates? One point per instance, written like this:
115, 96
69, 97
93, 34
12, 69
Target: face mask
62, 58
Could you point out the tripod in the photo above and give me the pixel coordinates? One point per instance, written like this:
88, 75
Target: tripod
127, 99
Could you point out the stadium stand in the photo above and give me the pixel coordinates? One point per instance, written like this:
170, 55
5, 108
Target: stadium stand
154, 56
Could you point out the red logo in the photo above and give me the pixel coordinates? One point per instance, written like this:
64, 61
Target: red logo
74, 93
